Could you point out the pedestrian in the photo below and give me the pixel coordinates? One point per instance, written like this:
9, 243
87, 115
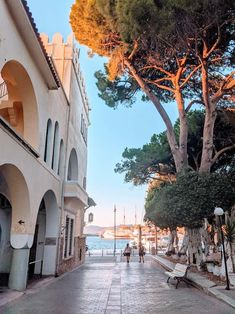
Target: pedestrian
141, 252
127, 252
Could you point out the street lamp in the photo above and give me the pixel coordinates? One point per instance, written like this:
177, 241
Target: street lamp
114, 229
219, 212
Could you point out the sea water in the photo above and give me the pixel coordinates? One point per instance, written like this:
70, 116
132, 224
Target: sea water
97, 245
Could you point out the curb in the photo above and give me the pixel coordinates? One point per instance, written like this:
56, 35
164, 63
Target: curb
10, 296
212, 289
221, 296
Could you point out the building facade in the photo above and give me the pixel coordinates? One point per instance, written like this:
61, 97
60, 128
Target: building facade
43, 150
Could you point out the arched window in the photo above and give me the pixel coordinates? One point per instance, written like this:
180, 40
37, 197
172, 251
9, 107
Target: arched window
73, 166
84, 183
48, 142
19, 108
61, 158
55, 153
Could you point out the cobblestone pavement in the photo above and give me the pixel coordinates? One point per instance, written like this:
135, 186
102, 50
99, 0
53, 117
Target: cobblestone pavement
112, 288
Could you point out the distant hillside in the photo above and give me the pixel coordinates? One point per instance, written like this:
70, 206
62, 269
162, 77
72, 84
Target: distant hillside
96, 230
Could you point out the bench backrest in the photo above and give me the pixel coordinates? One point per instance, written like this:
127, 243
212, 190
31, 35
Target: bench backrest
181, 268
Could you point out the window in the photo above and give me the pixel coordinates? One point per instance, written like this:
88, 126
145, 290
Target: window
71, 237
73, 166
84, 183
68, 239
48, 142
55, 152
61, 158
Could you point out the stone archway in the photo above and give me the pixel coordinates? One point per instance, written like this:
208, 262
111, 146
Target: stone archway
18, 105
37, 249
14, 187
46, 232
5, 247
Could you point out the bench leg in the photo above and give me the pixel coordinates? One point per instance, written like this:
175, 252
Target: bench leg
178, 281
168, 279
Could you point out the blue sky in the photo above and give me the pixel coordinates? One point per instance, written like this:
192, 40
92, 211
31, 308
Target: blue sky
110, 130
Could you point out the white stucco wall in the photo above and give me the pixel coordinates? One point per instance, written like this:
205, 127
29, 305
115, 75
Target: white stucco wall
25, 177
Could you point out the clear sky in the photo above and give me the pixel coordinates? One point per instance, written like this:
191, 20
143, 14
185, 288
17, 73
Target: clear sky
110, 130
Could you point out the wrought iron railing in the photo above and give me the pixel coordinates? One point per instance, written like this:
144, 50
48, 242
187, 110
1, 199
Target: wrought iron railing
3, 89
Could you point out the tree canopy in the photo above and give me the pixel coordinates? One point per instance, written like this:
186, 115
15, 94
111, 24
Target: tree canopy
192, 197
170, 50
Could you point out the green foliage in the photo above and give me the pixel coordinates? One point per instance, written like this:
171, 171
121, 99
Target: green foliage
122, 90
190, 199
141, 164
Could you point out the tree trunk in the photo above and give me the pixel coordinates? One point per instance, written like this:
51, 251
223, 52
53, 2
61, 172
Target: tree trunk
208, 132
184, 247
177, 154
195, 246
183, 138
209, 123
173, 242
205, 238
232, 258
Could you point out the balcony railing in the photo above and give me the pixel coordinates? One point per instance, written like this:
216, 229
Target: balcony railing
3, 89
6, 126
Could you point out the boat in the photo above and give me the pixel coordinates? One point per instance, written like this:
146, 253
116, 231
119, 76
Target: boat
120, 234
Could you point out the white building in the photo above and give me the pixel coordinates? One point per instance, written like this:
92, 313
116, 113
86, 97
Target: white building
43, 150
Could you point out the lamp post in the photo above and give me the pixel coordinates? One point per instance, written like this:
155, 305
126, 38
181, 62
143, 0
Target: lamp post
219, 212
114, 230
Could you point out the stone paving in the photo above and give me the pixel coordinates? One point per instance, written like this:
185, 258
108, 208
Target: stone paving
102, 286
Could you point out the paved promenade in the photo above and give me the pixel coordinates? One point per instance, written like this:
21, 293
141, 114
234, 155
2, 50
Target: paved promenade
103, 286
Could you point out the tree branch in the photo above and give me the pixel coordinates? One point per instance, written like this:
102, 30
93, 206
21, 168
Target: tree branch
215, 44
220, 152
224, 87
133, 51
156, 68
195, 101
190, 75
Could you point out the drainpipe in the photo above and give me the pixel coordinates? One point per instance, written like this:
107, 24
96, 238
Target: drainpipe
62, 193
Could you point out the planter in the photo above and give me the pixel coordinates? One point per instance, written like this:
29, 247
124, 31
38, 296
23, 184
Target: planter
210, 267
231, 277
216, 270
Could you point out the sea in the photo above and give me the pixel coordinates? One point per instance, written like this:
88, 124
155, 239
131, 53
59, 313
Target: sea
101, 246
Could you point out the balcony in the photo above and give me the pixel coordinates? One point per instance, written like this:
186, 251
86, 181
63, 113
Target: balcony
73, 189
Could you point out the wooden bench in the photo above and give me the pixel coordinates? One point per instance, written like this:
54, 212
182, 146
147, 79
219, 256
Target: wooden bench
179, 273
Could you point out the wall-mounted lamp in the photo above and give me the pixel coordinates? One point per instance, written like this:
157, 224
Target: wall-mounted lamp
21, 222
90, 217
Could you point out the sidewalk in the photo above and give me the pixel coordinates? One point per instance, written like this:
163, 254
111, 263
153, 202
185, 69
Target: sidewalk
209, 287
109, 286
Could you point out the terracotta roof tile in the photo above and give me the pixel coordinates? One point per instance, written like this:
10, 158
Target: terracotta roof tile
34, 26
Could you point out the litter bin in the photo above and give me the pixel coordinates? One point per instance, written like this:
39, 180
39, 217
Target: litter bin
153, 251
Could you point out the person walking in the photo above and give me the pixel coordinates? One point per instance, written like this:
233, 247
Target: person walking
127, 252
141, 253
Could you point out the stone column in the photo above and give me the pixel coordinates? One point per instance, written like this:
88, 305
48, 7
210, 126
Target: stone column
19, 269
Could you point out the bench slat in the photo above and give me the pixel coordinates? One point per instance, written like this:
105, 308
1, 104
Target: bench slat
180, 271
180, 267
